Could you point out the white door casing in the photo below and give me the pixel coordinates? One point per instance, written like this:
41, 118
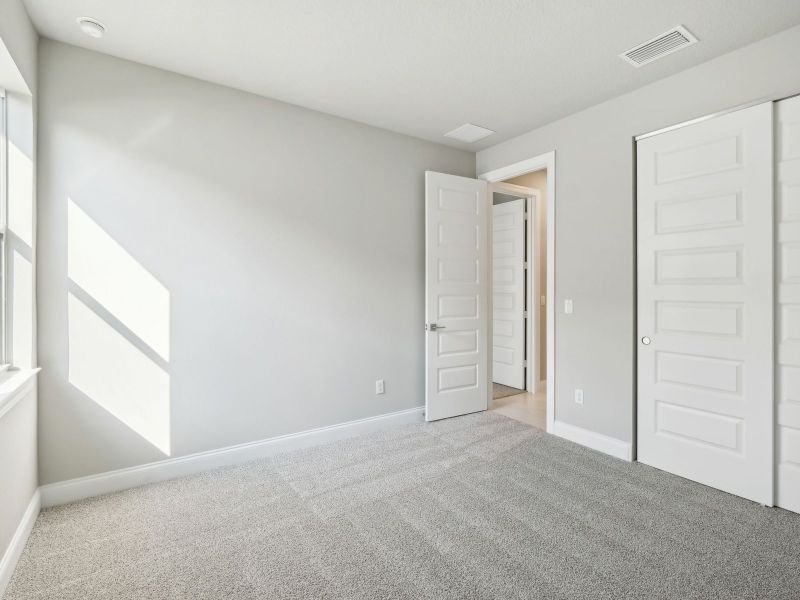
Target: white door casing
787, 312
456, 290
508, 293
705, 302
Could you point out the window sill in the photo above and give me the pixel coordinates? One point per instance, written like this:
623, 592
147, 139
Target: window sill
14, 384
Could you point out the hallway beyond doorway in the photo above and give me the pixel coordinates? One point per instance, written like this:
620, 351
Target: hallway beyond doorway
525, 407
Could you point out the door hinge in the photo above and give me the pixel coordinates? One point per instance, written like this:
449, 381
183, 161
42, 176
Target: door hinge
524, 314
525, 363
525, 216
525, 265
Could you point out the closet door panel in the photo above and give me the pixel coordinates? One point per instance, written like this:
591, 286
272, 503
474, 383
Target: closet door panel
705, 302
787, 313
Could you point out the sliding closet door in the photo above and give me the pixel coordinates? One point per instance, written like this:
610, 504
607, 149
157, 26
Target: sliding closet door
787, 157
705, 302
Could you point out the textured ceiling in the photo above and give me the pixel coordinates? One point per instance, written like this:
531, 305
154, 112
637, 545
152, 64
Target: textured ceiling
420, 67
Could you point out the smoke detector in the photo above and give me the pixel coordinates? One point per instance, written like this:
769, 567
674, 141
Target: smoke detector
91, 27
668, 42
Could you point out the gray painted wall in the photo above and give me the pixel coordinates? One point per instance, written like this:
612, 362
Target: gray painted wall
18, 480
20, 38
595, 256
283, 247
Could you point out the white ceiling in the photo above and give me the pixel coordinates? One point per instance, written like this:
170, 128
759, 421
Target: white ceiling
420, 67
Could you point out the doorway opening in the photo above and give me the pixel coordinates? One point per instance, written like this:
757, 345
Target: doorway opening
521, 280
459, 353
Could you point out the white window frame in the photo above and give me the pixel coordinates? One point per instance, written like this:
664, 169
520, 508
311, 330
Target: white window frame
3, 224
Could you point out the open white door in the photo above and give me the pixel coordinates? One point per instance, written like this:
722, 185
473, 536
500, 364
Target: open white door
705, 397
456, 290
508, 293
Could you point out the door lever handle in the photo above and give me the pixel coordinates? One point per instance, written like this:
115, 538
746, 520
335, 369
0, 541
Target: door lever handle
434, 327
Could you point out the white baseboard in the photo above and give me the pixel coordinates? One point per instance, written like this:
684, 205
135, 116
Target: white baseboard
788, 496
596, 441
122, 479
17, 545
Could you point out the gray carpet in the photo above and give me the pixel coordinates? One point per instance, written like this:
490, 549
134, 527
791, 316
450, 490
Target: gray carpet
476, 507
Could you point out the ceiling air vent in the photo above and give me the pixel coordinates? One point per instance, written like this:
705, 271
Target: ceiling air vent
469, 133
673, 40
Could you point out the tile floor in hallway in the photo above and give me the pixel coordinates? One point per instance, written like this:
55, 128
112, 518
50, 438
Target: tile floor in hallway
526, 407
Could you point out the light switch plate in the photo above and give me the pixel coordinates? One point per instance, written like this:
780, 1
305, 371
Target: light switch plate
379, 386
568, 306
578, 396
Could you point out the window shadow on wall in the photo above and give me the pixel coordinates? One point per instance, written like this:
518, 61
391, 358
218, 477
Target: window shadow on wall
119, 330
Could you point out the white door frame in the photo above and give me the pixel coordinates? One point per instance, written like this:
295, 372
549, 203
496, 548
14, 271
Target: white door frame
538, 163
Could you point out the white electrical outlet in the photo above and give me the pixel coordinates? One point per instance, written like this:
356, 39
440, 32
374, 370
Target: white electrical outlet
379, 386
578, 396
568, 306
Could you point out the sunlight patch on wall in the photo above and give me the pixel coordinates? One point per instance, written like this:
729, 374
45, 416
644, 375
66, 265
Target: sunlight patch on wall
105, 270
116, 375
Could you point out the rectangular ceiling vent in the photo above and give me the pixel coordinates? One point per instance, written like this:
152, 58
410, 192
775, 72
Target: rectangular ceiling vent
469, 133
671, 41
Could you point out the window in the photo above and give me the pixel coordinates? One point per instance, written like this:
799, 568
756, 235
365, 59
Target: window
3, 222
